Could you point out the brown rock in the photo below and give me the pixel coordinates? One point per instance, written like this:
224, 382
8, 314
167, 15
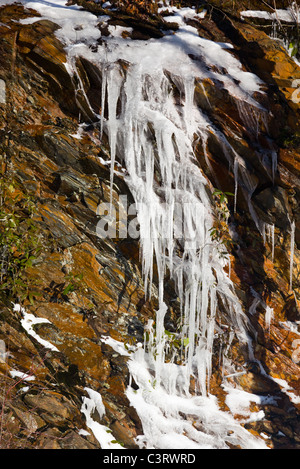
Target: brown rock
29, 420
72, 440
256, 384
124, 434
53, 407
49, 439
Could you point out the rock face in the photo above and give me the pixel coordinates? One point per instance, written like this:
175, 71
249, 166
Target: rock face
68, 181
88, 288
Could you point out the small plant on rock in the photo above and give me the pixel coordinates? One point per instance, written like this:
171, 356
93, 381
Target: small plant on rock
20, 242
219, 232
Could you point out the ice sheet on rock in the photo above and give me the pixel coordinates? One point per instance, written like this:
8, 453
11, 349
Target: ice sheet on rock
181, 421
75, 24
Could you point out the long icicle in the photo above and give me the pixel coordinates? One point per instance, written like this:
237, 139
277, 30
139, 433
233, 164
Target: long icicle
292, 253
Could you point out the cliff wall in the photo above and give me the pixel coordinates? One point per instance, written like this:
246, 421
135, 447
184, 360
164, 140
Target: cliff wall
89, 288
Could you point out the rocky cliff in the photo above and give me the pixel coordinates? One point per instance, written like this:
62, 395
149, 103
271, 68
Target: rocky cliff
88, 288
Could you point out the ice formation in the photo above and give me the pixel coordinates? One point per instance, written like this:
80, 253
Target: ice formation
152, 122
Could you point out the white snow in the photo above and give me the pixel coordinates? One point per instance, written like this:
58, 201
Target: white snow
21, 375
175, 420
116, 345
286, 388
9, 2
293, 230
76, 24
269, 236
288, 15
118, 31
239, 402
102, 433
83, 432
28, 321
185, 13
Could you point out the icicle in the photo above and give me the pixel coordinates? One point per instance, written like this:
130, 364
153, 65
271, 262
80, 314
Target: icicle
155, 136
264, 233
269, 236
189, 88
114, 82
103, 97
292, 253
79, 87
268, 317
274, 164
250, 116
273, 241
236, 181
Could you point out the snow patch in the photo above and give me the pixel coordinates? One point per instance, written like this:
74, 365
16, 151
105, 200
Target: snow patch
28, 321
21, 375
287, 16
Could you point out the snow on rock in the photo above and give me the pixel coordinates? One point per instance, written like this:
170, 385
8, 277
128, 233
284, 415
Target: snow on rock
288, 15
102, 433
21, 375
28, 321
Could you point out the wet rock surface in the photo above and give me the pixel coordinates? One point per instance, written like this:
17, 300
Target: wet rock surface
68, 178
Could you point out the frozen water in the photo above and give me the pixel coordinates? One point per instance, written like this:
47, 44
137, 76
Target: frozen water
101, 432
293, 227
152, 124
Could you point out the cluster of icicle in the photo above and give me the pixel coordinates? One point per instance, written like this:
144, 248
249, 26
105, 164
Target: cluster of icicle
154, 136
151, 130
